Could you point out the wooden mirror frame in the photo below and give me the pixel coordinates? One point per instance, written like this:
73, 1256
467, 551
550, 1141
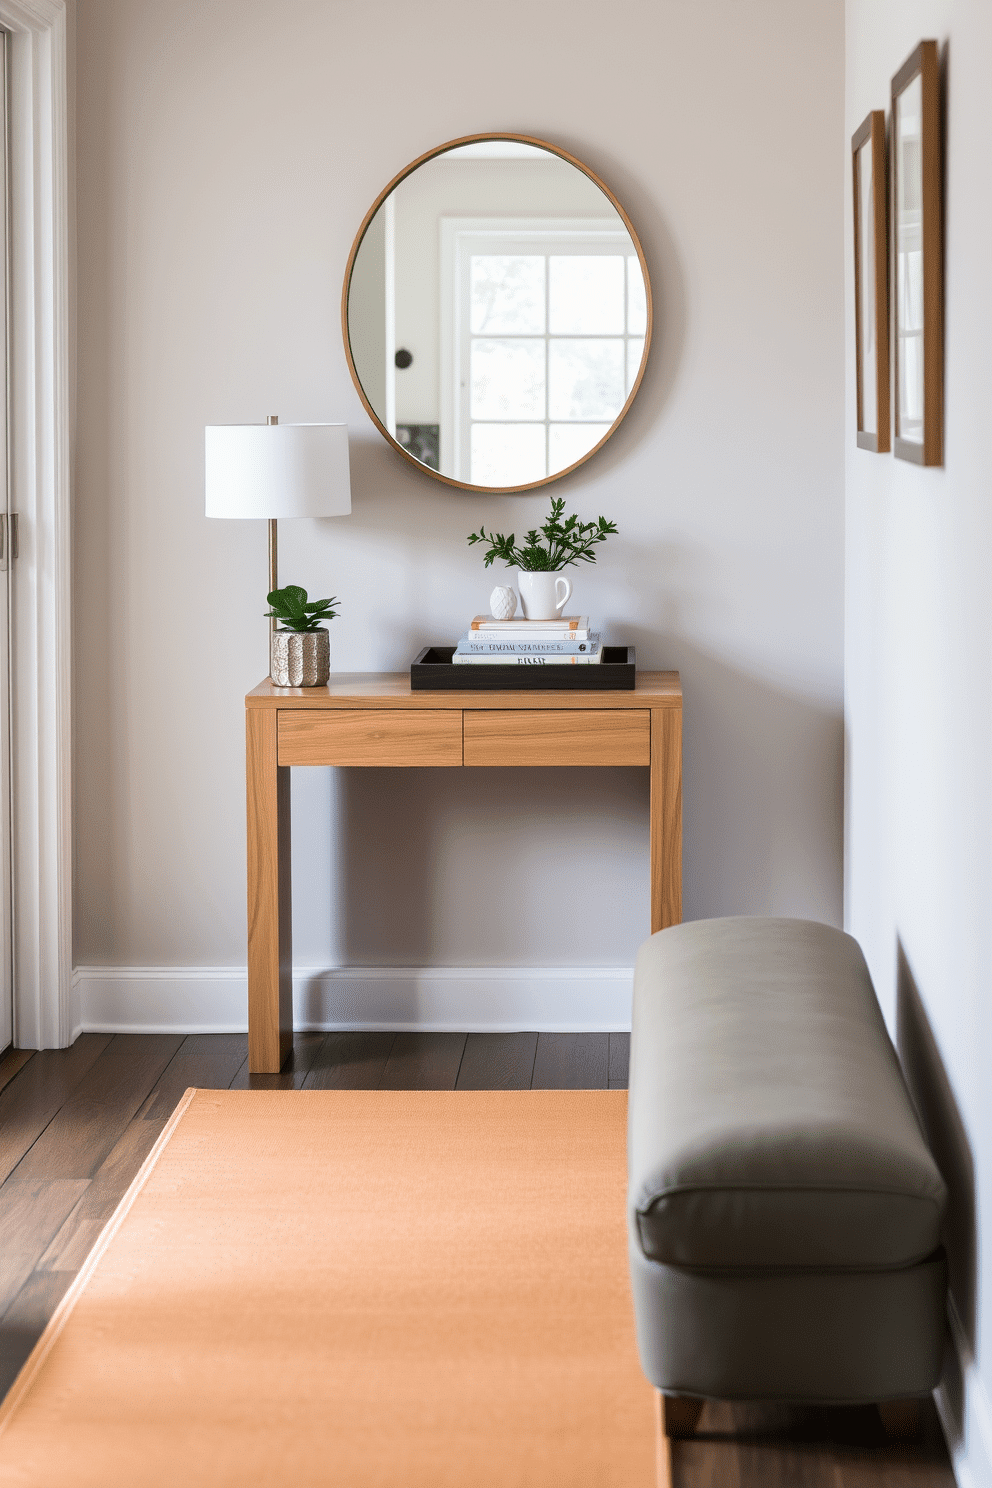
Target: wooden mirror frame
873, 131
922, 63
471, 139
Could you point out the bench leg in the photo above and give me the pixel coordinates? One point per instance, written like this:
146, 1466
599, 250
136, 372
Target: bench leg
680, 1415
902, 1420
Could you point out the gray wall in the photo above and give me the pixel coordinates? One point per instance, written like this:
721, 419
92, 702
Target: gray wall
919, 705
225, 156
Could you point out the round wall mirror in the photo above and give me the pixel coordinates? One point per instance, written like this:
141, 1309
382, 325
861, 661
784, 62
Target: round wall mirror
497, 312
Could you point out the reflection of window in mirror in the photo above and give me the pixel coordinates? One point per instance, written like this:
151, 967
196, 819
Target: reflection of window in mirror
541, 344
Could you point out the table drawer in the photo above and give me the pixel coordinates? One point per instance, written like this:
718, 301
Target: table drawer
374, 737
568, 736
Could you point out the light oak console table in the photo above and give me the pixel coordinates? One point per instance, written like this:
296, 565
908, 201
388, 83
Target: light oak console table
363, 719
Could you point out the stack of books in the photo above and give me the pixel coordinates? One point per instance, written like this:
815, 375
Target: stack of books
567, 641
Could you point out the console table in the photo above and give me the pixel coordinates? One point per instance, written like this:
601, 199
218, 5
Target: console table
362, 719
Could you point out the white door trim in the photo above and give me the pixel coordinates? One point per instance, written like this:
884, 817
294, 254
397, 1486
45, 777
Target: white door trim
41, 673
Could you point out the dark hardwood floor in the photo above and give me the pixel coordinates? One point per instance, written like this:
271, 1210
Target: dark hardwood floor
76, 1124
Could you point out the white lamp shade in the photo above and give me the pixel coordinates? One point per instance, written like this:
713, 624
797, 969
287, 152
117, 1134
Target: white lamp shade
277, 470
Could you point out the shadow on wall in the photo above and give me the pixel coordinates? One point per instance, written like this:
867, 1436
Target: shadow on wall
492, 867
550, 867
931, 1090
763, 788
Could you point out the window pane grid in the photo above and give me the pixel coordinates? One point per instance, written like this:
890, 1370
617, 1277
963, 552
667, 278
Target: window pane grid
584, 387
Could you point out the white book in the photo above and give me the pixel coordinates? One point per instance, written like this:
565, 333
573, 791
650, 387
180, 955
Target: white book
473, 645
465, 659
571, 627
534, 632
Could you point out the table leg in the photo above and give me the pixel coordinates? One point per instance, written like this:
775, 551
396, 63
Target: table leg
270, 899
666, 817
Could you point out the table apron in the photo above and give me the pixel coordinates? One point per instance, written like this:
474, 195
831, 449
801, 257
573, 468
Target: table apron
471, 736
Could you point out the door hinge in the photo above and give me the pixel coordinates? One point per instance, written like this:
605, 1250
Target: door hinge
8, 539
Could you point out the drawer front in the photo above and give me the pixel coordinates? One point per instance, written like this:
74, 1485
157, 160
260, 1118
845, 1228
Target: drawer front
573, 736
374, 737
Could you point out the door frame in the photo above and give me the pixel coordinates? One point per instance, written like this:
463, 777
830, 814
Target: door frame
41, 642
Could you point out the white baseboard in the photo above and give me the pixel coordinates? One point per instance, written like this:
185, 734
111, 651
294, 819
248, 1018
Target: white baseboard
969, 1440
474, 999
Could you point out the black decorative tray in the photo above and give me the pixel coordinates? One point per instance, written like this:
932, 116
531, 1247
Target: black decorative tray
432, 671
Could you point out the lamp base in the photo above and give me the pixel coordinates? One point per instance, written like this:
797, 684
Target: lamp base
300, 658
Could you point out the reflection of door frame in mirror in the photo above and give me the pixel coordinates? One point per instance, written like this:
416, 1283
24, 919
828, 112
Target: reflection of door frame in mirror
389, 435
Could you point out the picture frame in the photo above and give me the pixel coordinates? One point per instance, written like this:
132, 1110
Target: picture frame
871, 283
917, 268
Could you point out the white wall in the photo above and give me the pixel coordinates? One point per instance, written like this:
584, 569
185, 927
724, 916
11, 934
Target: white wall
918, 699
226, 154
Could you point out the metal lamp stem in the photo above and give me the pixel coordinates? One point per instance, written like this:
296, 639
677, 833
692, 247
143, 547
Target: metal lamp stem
273, 562
273, 418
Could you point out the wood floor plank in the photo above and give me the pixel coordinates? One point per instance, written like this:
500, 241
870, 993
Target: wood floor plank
12, 1063
81, 1228
619, 1062
208, 1061
76, 1141
31, 1212
782, 1446
26, 1319
306, 1047
498, 1061
572, 1061
43, 1086
351, 1061
424, 1061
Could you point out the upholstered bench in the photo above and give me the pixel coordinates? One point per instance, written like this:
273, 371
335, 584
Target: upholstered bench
784, 1210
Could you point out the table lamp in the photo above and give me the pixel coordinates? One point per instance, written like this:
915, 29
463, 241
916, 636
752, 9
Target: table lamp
275, 470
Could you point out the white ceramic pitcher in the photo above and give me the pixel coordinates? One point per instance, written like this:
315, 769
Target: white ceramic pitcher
543, 595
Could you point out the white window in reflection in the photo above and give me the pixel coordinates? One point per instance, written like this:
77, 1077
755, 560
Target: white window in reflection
507, 294
585, 378
586, 295
637, 300
508, 378
635, 351
507, 454
546, 337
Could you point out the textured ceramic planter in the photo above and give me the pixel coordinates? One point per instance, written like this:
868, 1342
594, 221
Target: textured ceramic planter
300, 658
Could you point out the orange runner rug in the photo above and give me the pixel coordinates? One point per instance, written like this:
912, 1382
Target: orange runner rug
372, 1289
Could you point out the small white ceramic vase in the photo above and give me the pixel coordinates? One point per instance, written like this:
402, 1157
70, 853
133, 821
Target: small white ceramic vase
543, 595
502, 603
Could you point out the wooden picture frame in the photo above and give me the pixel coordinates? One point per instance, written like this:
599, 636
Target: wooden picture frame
871, 283
917, 268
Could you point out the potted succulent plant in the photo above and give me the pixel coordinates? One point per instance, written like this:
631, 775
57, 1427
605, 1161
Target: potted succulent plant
546, 550
299, 652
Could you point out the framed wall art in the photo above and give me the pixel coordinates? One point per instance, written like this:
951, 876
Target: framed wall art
917, 258
871, 283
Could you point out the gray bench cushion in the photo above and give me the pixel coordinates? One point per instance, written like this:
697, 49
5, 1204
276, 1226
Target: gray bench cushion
769, 1122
